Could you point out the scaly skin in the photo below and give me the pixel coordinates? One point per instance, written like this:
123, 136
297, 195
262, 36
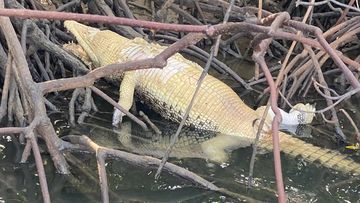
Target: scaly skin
169, 90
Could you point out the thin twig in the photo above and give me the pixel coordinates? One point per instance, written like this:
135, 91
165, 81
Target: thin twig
150, 123
73, 99
5, 89
40, 167
100, 158
352, 123
255, 145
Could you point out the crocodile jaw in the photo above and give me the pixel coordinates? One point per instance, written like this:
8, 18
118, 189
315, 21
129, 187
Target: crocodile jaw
84, 35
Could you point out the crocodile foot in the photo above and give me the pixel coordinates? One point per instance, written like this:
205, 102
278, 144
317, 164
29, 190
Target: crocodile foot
117, 117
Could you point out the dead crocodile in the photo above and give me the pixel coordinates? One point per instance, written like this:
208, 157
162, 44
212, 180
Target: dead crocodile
169, 90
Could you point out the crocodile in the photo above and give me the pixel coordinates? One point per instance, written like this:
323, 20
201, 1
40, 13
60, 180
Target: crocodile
216, 108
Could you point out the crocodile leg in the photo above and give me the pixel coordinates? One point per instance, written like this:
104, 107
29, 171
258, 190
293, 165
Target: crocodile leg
216, 148
127, 87
126, 96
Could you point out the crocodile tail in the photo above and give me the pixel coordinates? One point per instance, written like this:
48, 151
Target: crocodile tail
328, 158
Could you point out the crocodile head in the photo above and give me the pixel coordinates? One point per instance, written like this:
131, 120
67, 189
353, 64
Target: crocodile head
95, 42
84, 35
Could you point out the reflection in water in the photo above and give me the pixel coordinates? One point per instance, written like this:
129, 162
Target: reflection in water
305, 181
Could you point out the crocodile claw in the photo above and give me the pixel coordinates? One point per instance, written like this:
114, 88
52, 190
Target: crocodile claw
117, 117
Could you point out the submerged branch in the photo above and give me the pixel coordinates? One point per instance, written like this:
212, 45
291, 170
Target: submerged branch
143, 161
